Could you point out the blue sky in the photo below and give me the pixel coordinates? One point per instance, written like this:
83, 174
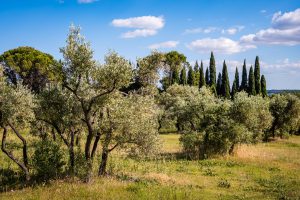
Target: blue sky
234, 30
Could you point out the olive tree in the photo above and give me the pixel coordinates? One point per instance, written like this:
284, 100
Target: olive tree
91, 83
286, 112
16, 112
253, 113
128, 122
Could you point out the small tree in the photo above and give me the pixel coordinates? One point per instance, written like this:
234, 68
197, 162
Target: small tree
257, 76
264, 86
201, 76
16, 112
34, 68
244, 83
207, 76
219, 84
91, 84
128, 122
191, 76
183, 80
212, 70
251, 81
225, 87
286, 112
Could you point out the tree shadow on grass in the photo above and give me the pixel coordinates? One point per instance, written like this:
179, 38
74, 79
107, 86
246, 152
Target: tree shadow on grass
12, 180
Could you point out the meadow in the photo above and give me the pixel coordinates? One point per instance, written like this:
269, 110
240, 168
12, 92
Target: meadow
262, 171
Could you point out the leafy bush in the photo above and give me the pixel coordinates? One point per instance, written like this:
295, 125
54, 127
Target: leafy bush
48, 159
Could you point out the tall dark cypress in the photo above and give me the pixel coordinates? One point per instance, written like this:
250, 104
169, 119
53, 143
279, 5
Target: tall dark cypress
175, 77
207, 76
219, 84
196, 67
196, 74
234, 89
263, 86
244, 83
225, 87
257, 76
191, 76
183, 80
201, 77
237, 78
212, 70
251, 81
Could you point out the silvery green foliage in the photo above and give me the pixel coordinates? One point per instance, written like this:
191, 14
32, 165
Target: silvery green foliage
87, 78
286, 112
214, 126
57, 109
253, 113
16, 104
131, 123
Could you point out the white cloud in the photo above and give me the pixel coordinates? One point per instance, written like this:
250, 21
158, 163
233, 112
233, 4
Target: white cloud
144, 26
285, 30
167, 44
231, 31
200, 30
288, 20
218, 45
284, 64
274, 36
86, 1
139, 33
144, 22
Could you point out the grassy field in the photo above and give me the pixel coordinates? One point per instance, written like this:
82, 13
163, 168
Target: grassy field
262, 171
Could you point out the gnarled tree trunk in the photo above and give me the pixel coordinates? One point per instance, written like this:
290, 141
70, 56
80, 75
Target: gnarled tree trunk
23, 166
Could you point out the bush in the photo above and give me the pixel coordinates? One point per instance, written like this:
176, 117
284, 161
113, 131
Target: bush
48, 159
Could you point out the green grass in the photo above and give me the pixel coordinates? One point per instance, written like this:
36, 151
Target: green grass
262, 171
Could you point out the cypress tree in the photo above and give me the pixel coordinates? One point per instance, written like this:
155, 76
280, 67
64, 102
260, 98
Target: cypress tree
212, 70
201, 77
263, 86
191, 76
207, 76
196, 67
257, 76
175, 77
251, 87
237, 78
244, 83
225, 87
234, 89
196, 74
219, 84
183, 80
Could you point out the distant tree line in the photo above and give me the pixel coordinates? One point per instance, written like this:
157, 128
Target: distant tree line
182, 73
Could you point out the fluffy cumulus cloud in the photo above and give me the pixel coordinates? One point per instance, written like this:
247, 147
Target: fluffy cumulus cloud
218, 45
86, 1
143, 26
285, 30
164, 45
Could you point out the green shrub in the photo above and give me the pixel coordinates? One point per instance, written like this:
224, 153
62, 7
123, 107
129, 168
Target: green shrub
48, 159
